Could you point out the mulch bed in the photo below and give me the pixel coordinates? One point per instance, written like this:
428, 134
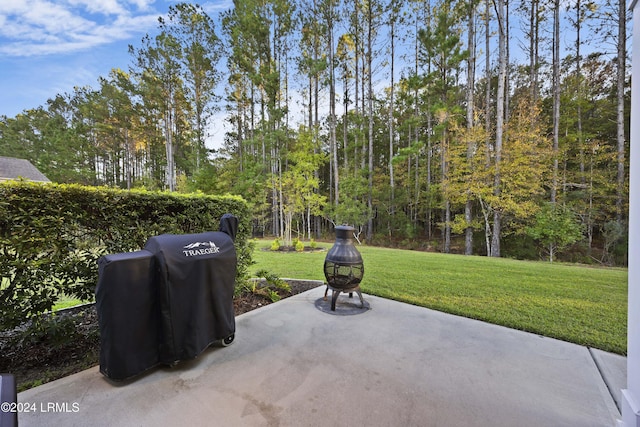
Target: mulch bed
70, 343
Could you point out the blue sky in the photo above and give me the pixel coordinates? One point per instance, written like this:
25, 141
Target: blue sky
49, 46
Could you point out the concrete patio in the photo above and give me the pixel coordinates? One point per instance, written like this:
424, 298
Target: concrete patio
293, 364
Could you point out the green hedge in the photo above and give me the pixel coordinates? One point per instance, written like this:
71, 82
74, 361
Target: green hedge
51, 237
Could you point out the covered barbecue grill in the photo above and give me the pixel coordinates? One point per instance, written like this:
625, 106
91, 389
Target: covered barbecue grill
168, 302
196, 275
128, 314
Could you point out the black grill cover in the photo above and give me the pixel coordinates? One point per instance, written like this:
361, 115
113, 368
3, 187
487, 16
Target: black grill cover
128, 314
229, 225
196, 279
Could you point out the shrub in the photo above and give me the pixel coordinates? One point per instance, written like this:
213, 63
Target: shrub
555, 227
273, 283
299, 246
275, 246
52, 235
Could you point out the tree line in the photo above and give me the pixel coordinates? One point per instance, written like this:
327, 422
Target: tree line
481, 127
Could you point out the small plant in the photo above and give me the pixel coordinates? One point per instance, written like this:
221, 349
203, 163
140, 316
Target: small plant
31, 384
299, 246
272, 295
272, 286
313, 244
275, 246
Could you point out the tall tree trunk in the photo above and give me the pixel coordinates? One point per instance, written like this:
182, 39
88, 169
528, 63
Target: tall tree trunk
533, 65
416, 131
129, 158
281, 203
556, 97
370, 113
471, 71
310, 104
487, 69
345, 121
392, 24
316, 79
507, 79
487, 117
171, 168
580, 140
240, 111
332, 106
356, 101
429, 210
579, 18
621, 70
363, 107
500, 117
446, 217
316, 118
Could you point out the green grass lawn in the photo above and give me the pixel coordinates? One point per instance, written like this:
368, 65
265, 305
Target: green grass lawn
67, 302
580, 304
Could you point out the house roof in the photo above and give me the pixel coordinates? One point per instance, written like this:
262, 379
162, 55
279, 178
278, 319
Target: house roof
12, 168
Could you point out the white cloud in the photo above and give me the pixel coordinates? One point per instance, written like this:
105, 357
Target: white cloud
99, 6
42, 27
216, 6
141, 4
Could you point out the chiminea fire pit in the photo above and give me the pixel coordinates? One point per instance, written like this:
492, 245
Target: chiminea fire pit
343, 266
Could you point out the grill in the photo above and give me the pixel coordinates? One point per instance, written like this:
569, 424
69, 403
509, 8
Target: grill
168, 302
343, 267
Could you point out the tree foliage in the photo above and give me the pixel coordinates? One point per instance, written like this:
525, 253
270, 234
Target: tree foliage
329, 122
555, 227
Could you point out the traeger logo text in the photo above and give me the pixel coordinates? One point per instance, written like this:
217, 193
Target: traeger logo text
200, 248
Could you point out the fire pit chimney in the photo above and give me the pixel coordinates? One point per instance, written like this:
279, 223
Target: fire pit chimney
343, 266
